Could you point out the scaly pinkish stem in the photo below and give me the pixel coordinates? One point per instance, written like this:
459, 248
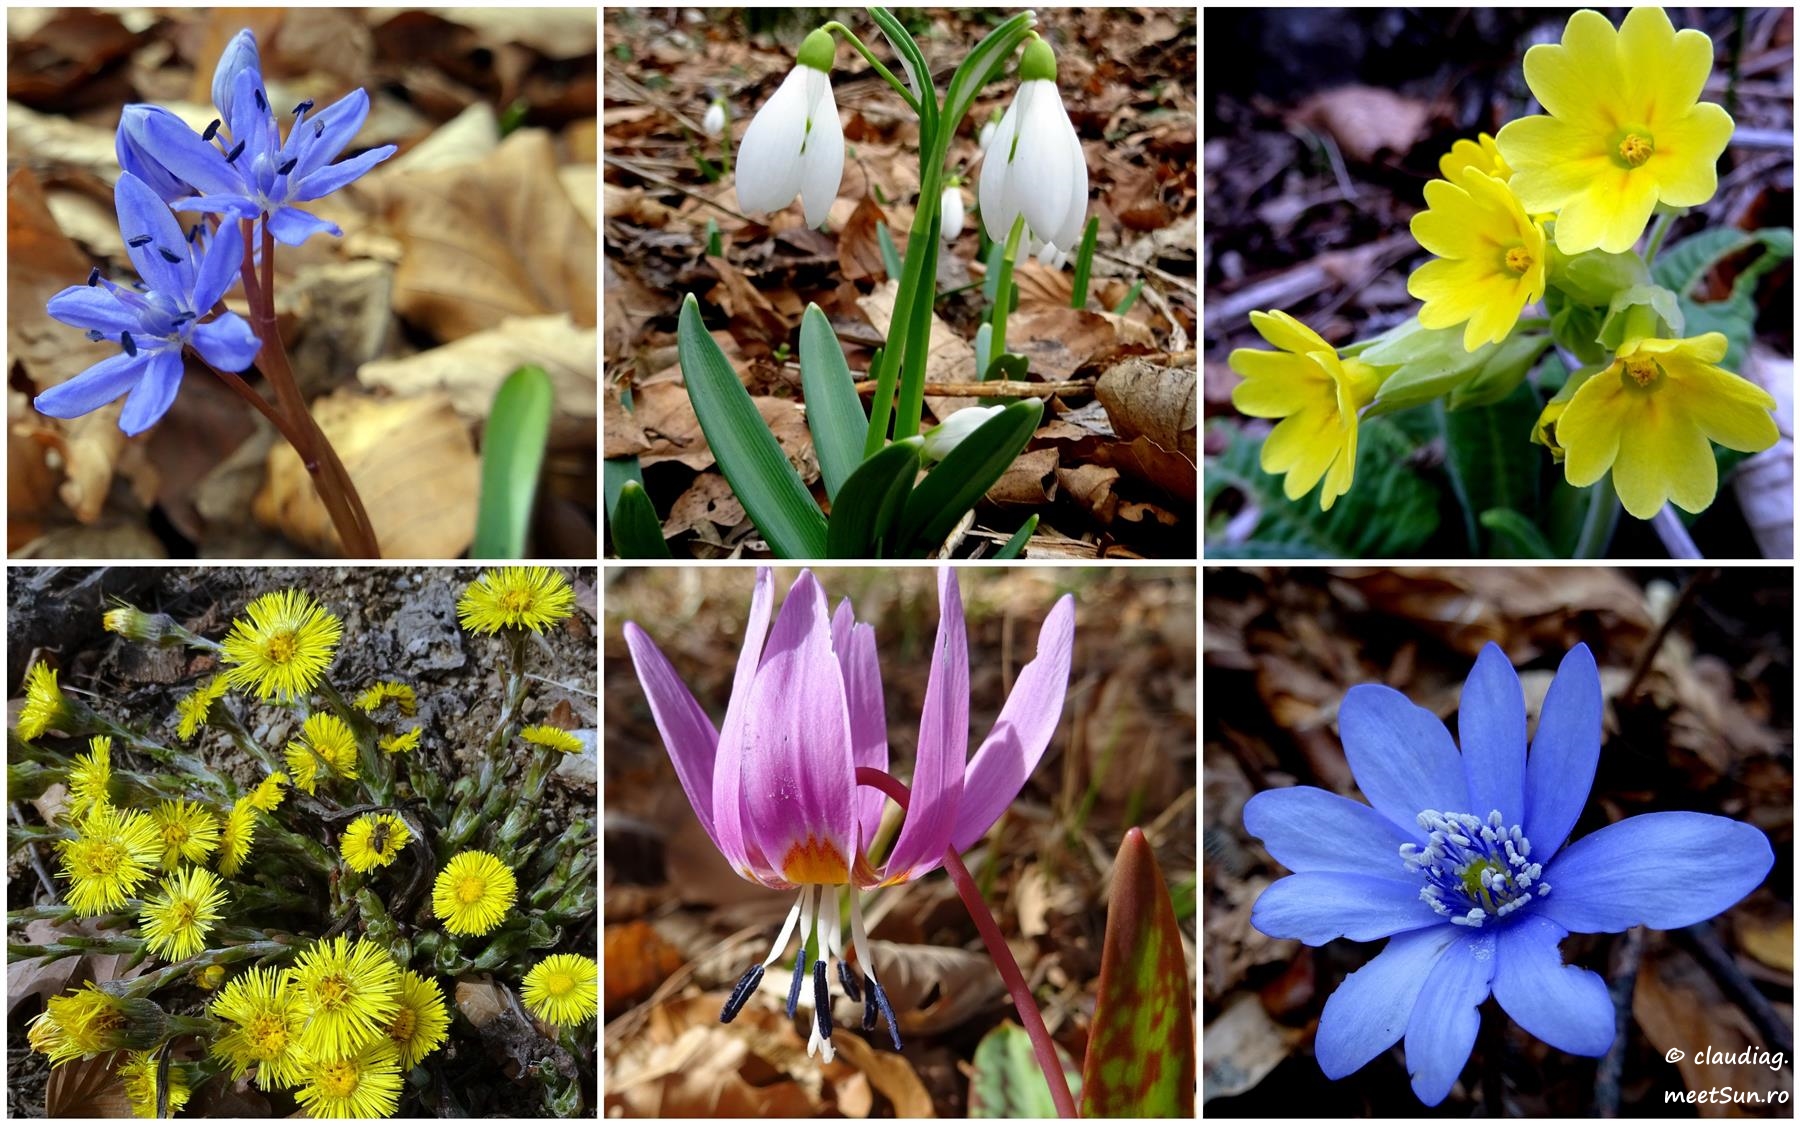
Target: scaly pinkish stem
1001, 953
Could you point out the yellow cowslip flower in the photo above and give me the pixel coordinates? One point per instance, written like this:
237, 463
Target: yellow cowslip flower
1316, 395
195, 708
284, 647
555, 738
113, 852
1490, 259
263, 1019
349, 991
1481, 154
138, 1076
1649, 417
422, 1023
515, 597
373, 840
404, 742
473, 892
326, 744
175, 922
89, 777
1625, 128
562, 989
189, 832
365, 1083
81, 1023
268, 793
44, 707
388, 691
236, 836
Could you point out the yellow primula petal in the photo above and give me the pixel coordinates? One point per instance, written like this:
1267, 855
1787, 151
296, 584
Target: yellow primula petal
1342, 472
1591, 426
1729, 409
1663, 67
1582, 73
1708, 347
1450, 288
1662, 458
1275, 384
1290, 441
1687, 155
1552, 161
1285, 332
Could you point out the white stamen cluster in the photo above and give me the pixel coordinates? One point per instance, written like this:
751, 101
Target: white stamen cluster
1473, 869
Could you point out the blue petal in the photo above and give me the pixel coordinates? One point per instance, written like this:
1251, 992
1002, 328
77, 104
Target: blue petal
327, 180
155, 392
93, 388
227, 343
137, 154
93, 306
1444, 1020
185, 155
1318, 906
292, 226
1370, 1010
143, 213
325, 134
1401, 755
1491, 724
1564, 1005
1663, 870
239, 55
222, 264
250, 126
1308, 829
228, 204
1563, 755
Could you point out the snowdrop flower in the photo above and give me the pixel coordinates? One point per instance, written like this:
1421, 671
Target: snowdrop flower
714, 123
184, 275
950, 214
1034, 164
988, 127
795, 145
949, 433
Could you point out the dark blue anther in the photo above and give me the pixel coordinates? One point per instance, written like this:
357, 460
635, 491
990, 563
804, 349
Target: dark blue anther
180, 320
262, 103
94, 276
303, 107
287, 166
168, 255
129, 344
318, 130
740, 995
794, 984
887, 1011
237, 150
95, 335
211, 130
849, 979
193, 233
868, 1007
140, 240
822, 1000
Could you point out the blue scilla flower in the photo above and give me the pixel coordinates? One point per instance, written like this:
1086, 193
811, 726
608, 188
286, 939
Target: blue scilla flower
241, 166
1460, 860
184, 277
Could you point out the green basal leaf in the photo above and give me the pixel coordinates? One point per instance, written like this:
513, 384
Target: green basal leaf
962, 478
1682, 266
890, 254
1140, 1056
1012, 547
1011, 366
512, 455
833, 412
636, 532
1514, 537
614, 472
1005, 1080
982, 66
772, 493
1491, 461
866, 508
1084, 264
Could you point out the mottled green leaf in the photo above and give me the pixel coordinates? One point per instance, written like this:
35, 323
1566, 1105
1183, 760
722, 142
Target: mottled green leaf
1008, 1082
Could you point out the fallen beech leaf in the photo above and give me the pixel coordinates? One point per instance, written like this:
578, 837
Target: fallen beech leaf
668, 420
480, 1000
948, 358
750, 310
1030, 481
859, 247
471, 369
1144, 398
41, 261
684, 1063
1770, 942
709, 500
1680, 1006
1091, 486
1041, 286
1242, 1046
413, 463
1059, 340
1365, 119
87, 1088
471, 135
963, 983
891, 1075
344, 312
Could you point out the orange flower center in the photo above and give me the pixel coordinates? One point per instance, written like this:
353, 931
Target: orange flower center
338, 1079
1643, 370
401, 1030
279, 649
814, 861
1635, 149
1518, 260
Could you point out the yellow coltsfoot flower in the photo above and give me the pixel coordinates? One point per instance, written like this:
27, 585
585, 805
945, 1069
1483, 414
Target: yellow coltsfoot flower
44, 707
422, 1023
195, 708
189, 832
563, 989
139, 1075
326, 747
402, 743
176, 921
236, 836
81, 1023
281, 647
473, 892
1649, 417
373, 840
349, 991
89, 777
555, 738
363, 1084
269, 792
515, 597
1490, 258
263, 1019
1625, 128
388, 691
1316, 395
113, 852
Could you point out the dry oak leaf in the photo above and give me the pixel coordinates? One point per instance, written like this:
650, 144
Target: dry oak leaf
471, 369
414, 466
490, 239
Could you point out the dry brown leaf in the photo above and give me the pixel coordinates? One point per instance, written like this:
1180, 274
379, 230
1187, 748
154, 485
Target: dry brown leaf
963, 982
344, 311
674, 434
489, 240
637, 961
859, 247
413, 463
1681, 1008
949, 358
1242, 1046
1144, 398
1771, 941
1041, 286
891, 1075
1091, 486
1059, 340
686, 1064
480, 1000
471, 135
1364, 120
709, 500
752, 314
87, 1088
1030, 481
470, 370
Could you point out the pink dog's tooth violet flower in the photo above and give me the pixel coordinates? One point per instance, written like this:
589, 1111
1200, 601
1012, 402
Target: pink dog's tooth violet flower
775, 786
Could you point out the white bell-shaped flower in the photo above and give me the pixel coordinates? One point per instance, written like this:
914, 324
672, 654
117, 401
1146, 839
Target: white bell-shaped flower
795, 144
950, 214
948, 434
714, 122
1034, 166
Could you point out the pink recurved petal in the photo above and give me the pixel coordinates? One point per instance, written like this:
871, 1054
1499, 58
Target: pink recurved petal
854, 644
688, 734
937, 783
1018, 739
728, 780
798, 771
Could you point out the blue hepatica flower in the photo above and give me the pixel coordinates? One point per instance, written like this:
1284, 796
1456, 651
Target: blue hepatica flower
1461, 862
241, 166
184, 277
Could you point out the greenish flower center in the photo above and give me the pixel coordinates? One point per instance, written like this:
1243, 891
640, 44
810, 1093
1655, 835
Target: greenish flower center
1519, 259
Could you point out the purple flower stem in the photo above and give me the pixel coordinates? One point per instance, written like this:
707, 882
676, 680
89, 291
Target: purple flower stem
1001, 953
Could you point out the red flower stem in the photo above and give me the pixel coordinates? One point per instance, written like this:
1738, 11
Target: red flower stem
1001, 953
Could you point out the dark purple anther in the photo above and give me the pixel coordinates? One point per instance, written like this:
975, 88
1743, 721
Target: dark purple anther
849, 978
168, 255
303, 107
193, 233
262, 103
287, 165
140, 240
794, 984
94, 276
237, 150
318, 130
129, 344
95, 335
211, 130
822, 1001
740, 995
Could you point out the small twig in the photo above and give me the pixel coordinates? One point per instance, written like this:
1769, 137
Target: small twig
1324, 271
37, 861
1647, 655
1622, 982
1775, 140
1700, 941
1005, 389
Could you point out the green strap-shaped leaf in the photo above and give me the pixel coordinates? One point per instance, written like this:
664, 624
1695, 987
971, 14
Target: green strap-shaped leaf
1019, 539
772, 493
982, 65
1084, 264
965, 475
1006, 1081
1140, 1057
512, 454
890, 254
636, 532
614, 472
863, 515
833, 412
